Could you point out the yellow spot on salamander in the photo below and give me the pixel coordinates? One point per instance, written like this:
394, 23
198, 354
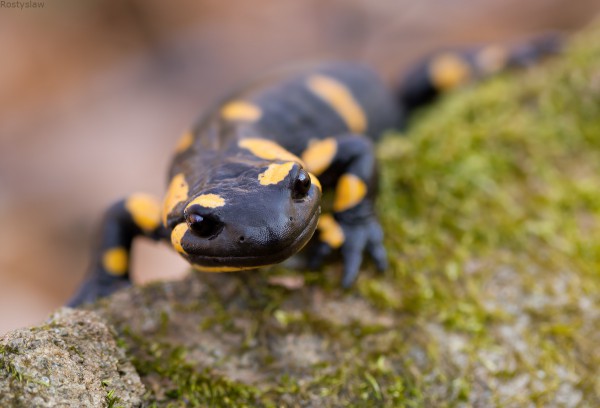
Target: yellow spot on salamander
314, 180
208, 201
491, 59
319, 155
330, 231
339, 97
217, 269
144, 210
115, 261
186, 141
448, 71
267, 149
241, 110
275, 173
350, 191
176, 193
177, 235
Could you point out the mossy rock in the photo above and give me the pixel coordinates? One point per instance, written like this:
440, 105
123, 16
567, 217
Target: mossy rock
492, 215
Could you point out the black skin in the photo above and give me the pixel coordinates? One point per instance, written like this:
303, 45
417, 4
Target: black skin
265, 224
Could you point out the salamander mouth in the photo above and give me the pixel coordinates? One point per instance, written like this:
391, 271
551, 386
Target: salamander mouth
237, 263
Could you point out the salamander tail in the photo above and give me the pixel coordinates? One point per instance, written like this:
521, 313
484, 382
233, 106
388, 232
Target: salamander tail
449, 69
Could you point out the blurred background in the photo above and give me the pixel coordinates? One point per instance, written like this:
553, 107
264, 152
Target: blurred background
94, 94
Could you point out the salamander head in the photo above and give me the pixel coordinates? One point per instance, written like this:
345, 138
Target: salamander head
257, 216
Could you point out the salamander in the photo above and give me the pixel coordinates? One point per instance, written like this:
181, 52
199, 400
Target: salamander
246, 181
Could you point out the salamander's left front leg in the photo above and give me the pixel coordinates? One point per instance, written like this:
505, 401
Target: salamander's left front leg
353, 227
139, 214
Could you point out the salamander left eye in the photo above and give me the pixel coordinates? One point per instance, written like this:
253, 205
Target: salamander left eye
301, 185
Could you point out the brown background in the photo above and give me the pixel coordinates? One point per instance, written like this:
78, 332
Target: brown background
94, 95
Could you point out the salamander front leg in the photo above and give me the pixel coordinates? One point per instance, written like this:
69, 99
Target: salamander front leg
352, 240
348, 160
137, 215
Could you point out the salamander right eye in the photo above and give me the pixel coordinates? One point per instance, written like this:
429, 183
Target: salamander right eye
203, 226
301, 184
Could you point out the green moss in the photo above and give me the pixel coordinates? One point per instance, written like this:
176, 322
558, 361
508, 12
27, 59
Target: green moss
500, 179
112, 400
12, 371
183, 383
492, 216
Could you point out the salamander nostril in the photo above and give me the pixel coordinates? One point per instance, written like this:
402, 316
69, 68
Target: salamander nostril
205, 226
242, 238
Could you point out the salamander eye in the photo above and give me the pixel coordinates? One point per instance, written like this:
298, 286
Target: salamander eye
203, 226
301, 185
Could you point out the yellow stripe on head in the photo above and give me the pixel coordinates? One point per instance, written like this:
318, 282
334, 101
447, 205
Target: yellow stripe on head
184, 142
350, 191
448, 71
208, 201
115, 261
177, 235
267, 150
319, 155
330, 231
339, 97
144, 210
176, 193
275, 173
241, 110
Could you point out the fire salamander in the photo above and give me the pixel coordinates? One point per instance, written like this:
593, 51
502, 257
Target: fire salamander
246, 181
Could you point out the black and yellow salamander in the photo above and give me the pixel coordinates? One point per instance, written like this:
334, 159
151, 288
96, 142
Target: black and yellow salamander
246, 182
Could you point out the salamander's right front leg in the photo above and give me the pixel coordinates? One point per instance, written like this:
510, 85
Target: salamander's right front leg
352, 228
139, 214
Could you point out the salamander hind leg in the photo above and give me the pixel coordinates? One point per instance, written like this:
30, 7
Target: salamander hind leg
137, 215
353, 228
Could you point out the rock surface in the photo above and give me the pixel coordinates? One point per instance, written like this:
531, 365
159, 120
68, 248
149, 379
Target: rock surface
72, 361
